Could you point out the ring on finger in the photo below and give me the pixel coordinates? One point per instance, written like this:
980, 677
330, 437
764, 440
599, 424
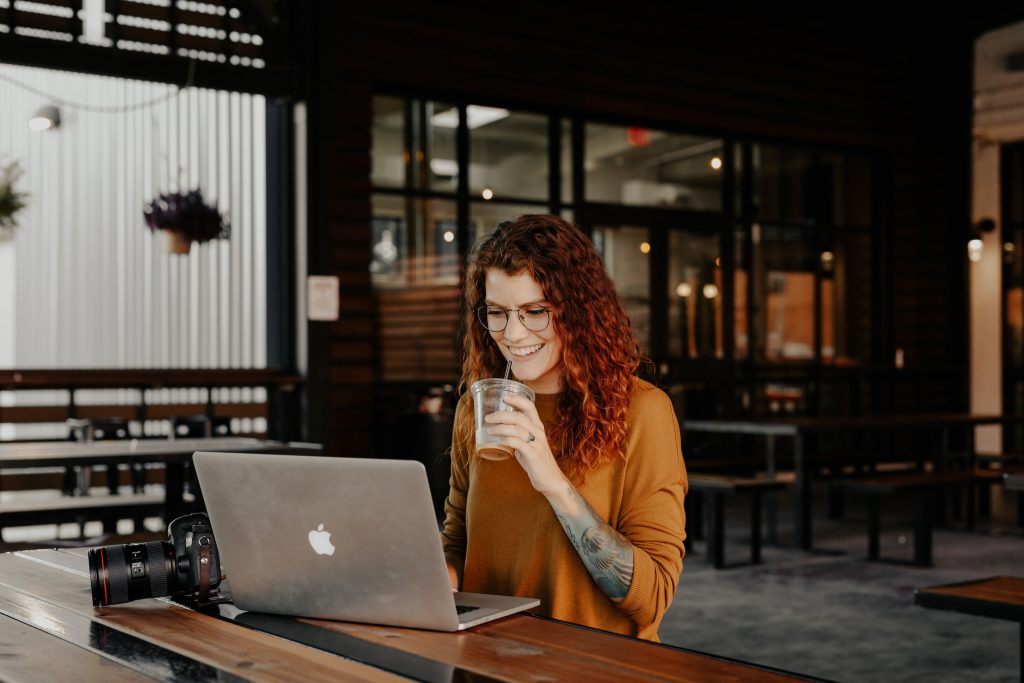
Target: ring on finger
532, 437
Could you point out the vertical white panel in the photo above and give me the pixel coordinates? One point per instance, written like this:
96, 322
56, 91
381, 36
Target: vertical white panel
235, 155
245, 178
259, 307
300, 217
95, 288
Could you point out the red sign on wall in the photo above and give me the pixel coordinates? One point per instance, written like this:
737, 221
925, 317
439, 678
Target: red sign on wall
638, 137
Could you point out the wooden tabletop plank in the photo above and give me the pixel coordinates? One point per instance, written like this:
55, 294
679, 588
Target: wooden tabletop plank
619, 650
518, 647
999, 597
28, 655
495, 656
220, 644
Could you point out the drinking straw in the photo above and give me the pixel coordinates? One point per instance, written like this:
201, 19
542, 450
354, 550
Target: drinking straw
508, 367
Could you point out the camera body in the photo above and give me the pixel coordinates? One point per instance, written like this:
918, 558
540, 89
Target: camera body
188, 563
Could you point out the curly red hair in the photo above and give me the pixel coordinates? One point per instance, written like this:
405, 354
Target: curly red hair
600, 352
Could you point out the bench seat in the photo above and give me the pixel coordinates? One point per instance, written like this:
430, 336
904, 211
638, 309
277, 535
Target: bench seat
717, 486
923, 485
105, 508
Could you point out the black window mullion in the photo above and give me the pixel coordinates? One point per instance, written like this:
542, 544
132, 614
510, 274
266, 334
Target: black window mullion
578, 179
727, 250
658, 296
747, 218
462, 191
555, 163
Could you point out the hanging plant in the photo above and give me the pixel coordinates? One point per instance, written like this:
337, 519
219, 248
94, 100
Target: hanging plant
186, 218
11, 201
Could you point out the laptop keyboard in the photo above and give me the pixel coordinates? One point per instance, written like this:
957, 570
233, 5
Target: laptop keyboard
462, 609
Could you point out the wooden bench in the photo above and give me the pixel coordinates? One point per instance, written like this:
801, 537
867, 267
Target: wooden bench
716, 487
1012, 463
78, 509
924, 486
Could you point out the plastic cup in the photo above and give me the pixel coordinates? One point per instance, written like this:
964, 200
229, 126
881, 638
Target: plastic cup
489, 396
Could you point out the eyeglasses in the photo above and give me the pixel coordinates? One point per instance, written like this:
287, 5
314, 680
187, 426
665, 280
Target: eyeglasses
534, 317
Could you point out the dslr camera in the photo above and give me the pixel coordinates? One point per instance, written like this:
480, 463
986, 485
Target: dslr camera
186, 564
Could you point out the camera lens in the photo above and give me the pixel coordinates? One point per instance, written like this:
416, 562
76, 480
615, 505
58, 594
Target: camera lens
122, 573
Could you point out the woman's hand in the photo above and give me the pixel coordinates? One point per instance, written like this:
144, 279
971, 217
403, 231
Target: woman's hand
523, 431
455, 566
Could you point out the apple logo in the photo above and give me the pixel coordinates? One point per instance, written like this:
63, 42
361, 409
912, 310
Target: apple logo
321, 541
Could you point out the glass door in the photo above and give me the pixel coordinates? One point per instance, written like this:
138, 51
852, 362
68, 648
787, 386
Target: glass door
1012, 165
675, 285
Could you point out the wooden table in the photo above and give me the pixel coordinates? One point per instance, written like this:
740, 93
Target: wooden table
798, 428
50, 631
1000, 597
174, 453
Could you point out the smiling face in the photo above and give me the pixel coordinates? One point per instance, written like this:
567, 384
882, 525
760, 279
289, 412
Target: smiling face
536, 356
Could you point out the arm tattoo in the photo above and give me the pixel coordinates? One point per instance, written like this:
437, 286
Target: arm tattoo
606, 553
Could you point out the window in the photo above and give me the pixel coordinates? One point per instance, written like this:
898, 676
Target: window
644, 167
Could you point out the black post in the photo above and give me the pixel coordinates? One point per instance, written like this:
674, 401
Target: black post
923, 528
755, 527
716, 529
772, 504
874, 526
803, 495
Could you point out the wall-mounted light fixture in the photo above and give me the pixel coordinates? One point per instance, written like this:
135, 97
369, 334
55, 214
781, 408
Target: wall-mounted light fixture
975, 243
46, 117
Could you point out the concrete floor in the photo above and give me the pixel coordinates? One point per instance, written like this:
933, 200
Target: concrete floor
833, 614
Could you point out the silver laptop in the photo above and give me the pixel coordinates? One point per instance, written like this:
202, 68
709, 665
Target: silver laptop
336, 538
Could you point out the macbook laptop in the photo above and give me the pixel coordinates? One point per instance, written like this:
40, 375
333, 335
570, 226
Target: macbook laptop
336, 538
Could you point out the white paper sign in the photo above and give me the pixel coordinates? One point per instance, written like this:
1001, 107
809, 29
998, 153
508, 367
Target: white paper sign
323, 294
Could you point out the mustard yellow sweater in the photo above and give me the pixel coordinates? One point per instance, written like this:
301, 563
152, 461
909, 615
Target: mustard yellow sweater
513, 544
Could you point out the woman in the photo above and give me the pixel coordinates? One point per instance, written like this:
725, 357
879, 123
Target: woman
588, 516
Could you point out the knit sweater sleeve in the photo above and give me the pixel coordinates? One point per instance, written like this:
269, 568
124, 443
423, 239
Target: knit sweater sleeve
652, 515
453, 537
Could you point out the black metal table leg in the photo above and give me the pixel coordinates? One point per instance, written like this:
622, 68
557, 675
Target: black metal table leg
923, 528
716, 529
874, 526
803, 495
772, 503
755, 527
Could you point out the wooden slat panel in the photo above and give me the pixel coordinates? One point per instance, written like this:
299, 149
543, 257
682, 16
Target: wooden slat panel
135, 378
419, 294
240, 409
164, 411
66, 4
23, 414
145, 35
44, 22
184, 16
124, 412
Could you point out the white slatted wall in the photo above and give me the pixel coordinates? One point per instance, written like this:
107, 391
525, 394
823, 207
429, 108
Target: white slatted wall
92, 286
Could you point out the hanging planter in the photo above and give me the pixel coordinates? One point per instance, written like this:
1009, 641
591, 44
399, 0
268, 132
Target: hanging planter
11, 201
186, 218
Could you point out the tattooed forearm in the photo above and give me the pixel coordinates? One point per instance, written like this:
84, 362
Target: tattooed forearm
606, 553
